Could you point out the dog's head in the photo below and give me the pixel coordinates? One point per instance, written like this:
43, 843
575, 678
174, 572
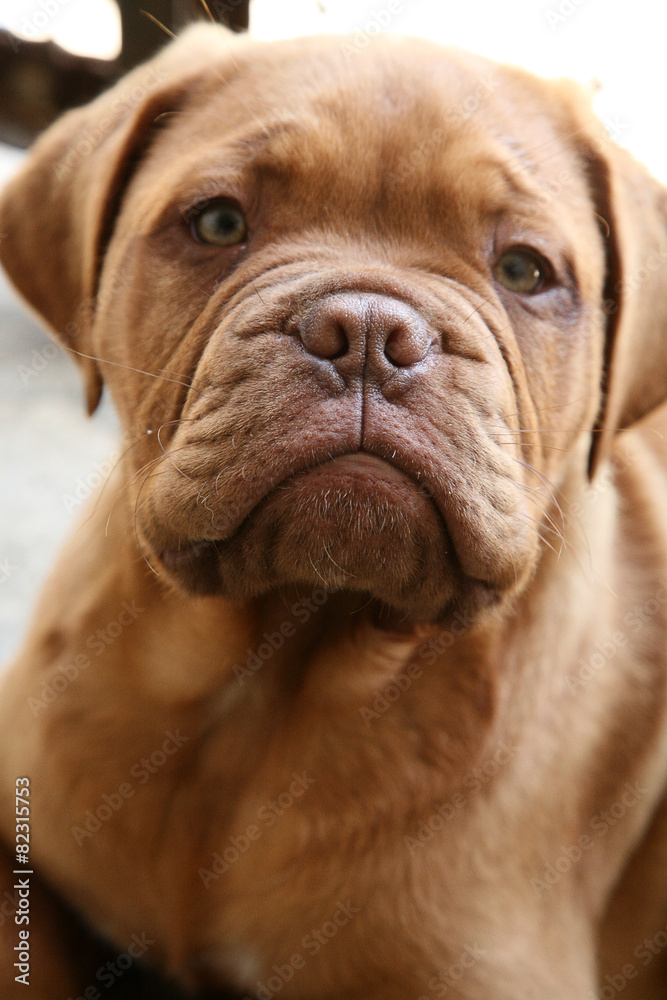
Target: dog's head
362, 315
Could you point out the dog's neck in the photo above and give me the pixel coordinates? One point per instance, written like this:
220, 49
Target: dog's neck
180, 651
384, 722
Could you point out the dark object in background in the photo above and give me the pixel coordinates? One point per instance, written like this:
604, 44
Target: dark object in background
141, 983
39, 80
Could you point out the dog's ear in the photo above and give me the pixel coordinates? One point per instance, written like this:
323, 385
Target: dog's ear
632, 210
57, 213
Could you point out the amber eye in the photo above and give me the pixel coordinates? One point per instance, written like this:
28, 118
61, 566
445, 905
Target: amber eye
521, 270
221, 223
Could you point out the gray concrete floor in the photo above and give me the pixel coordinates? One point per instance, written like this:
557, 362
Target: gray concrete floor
46, 445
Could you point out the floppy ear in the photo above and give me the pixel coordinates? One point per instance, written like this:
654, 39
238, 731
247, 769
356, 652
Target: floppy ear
57, 213
632, 207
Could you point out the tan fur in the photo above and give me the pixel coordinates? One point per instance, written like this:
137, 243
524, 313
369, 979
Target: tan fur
521, 540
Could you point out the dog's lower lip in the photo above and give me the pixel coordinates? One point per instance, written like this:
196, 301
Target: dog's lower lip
196, 559
357, 463
356, 460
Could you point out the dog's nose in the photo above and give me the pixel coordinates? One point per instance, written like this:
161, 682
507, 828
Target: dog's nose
380, 333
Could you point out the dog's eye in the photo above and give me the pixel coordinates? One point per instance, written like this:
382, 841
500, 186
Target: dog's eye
521, 270
220, 223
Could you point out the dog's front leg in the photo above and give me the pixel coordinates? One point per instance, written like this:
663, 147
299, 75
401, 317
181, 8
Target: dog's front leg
42, 945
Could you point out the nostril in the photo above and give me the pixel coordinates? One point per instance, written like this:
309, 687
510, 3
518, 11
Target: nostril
406, 346
325, 338
337, 341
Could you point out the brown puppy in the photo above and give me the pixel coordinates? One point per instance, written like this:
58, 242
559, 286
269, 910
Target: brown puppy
352, 682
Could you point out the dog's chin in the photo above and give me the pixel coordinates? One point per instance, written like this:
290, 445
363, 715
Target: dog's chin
354, 523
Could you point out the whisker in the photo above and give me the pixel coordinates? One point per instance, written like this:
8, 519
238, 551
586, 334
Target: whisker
549, 486
546, 409
564, 520
136, 531
160, 25
310, 559
524, 430
331, 558
179, 380
170, 455
485, 302
553, 527
544, 447
522, 516
138, 473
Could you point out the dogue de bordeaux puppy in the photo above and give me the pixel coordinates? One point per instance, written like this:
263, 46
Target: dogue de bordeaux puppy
351, 682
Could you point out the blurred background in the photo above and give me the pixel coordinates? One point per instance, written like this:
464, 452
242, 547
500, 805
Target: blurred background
56, 54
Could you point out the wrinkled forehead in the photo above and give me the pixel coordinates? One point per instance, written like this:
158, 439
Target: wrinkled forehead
330, 125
